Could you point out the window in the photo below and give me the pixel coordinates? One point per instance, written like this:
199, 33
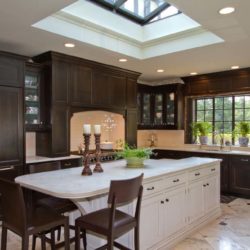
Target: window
140, 11
222, 112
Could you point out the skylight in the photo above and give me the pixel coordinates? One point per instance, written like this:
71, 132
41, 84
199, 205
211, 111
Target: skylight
139, 11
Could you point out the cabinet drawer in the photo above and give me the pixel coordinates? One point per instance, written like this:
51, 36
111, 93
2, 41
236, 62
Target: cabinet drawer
240, 160
175, 180
211, 170
70, 163
10, 172
196, 174
153, 187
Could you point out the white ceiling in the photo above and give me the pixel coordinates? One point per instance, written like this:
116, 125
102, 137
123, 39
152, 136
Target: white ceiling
18, 36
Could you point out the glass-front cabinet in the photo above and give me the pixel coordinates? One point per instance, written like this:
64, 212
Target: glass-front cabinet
33, 95
158, 106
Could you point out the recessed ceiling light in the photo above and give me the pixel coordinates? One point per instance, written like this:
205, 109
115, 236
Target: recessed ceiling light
160, 70
69, 45
123, 60
193, 73
226, 10
235, 67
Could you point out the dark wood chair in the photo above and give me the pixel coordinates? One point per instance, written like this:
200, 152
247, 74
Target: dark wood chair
58, 205
111, 222
25, 223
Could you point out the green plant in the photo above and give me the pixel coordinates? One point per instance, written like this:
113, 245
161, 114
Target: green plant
242, 128
201, 128
129, 152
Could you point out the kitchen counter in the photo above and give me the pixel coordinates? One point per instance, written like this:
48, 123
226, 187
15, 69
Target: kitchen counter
206, 149
37, 159
66, 183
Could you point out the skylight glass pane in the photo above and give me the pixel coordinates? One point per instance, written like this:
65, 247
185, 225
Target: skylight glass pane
141, 8
170, 11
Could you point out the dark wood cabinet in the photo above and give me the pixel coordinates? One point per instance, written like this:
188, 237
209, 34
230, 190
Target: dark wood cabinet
11, 126
71, 163
11, 70
160, 107
81, 85
240, 175
131, 93
131, 127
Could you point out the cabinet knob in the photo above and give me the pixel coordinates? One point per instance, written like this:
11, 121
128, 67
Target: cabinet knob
197, 174
207, 184
162, 202
67, 164
204, 185
151, 188
167, 200
213, 169
177, 180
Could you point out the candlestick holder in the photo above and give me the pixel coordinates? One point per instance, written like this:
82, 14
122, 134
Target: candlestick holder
86, 168
98, 167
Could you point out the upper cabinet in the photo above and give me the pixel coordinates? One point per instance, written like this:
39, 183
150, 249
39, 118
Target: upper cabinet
35, 98
159, 107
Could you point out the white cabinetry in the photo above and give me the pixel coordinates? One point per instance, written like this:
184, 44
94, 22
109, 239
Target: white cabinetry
173, 206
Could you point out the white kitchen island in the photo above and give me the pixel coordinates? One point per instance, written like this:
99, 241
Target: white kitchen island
179, 196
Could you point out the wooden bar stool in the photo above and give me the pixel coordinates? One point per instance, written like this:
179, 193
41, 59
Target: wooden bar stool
25, 223
110, 221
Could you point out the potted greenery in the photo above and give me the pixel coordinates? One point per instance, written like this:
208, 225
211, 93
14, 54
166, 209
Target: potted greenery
134, 156
242, 129
201, 130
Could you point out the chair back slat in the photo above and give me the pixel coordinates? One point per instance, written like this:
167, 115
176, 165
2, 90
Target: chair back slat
124, 191
14, 212
44, 167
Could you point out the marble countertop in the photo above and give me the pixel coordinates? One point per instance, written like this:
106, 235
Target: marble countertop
37, 159
206, 149
69, 183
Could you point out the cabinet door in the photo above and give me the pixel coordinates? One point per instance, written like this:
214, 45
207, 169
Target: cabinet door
240, 175
158, 109
11, 126
150, 231
195, 201
60, 131
170, 109
146, 109
80, 86
60, 81
174, 212
11, 71
211, 193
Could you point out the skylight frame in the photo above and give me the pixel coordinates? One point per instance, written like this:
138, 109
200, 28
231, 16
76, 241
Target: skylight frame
116, 8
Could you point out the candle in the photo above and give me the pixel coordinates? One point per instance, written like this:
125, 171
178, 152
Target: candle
86, 129
97, 129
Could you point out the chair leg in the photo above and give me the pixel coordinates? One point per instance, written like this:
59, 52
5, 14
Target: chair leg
25, 242
77, 237
84, 239
43, 242
34, 242
66, 234
136, 238
110, 243
4, 238
59, 234
52, 239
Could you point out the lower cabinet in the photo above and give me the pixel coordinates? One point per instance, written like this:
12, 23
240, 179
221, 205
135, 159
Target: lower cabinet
171, 210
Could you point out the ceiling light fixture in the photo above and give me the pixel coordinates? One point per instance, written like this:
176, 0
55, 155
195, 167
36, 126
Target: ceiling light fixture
160, 70
123, 60
193, 73
235, 67
226, 10
69, 45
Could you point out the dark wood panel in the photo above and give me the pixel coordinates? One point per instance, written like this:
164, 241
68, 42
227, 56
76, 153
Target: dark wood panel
241, 81
60, 81
131, 127
11, 126
81, 85
70, 163
60, 130
131, 93
11, 71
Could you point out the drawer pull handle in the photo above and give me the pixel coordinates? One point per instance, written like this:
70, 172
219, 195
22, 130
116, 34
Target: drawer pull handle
152, 188
204, 185
207, 184
213, 169
197, 174
244, 159
162, 202
67, 164
177, 180
7, 168
167, 200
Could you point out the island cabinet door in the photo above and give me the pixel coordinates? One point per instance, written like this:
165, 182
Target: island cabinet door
211, 193
173, 213
150, 232
195, 201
